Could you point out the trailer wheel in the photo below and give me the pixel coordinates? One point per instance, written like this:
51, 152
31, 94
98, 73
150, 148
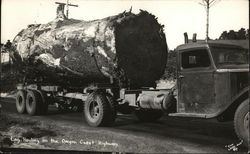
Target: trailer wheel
148, 115
44, 102
241, 121
97, 110
20, 101
33, 103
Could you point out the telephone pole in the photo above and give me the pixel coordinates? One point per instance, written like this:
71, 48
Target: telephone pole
208, 4
1, 62
67, 7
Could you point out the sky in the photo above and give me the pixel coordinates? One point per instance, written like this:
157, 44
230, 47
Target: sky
178, 16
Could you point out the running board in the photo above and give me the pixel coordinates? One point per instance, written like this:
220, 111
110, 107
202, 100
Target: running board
192, 115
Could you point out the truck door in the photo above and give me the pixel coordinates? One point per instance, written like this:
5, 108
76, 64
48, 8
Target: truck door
195, 81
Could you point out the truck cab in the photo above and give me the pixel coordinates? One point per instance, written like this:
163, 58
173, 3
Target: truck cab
212, 81
211, 76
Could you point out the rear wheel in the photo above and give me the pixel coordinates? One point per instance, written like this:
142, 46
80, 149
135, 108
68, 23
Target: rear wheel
241, 121
33, 103
148, 115
113, 106
98, 111
20, 101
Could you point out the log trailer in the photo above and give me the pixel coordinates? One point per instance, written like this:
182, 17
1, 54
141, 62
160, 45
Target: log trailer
212, 82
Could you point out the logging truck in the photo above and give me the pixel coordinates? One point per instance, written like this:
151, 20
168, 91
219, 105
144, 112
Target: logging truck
212, 82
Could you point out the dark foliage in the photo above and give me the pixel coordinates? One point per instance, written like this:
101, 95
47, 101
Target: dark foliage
9, 77
241, 34
170, 71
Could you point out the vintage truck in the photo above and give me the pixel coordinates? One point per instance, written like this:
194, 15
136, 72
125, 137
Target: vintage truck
212, 82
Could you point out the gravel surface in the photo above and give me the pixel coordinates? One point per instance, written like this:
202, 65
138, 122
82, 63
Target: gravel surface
68, 131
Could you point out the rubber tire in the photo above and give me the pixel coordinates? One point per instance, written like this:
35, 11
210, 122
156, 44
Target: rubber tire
45, 104
36, 106
20, 106
113, 106
240, 130
148, 115
106, 115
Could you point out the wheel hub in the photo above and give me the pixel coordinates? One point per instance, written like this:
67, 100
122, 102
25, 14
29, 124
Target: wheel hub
94, 110
20, 100
246, 121
30, 101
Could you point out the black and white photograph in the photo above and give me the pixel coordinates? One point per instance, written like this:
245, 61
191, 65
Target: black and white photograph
124, 76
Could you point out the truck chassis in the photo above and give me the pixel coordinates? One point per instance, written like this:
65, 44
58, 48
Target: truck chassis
99, 103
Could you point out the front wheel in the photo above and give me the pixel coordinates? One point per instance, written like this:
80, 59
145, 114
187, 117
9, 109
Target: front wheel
148, 115
98, 111
241, 121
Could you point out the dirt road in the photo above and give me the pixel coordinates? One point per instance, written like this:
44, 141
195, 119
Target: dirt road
68, 131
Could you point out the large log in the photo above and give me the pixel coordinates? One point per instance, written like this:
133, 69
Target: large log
128, 49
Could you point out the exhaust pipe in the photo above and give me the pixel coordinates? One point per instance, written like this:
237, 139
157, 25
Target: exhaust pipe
194, 37
185, 38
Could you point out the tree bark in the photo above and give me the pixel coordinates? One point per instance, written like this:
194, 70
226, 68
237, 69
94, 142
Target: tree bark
128, 49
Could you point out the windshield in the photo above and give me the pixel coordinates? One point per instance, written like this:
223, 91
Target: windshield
229, 56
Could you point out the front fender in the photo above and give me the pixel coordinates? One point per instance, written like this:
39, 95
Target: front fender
229, 110
241, 93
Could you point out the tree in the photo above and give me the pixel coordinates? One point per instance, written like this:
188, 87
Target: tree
241, 34
223, 36
208, 4
170, 71
232, 35
247, 34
